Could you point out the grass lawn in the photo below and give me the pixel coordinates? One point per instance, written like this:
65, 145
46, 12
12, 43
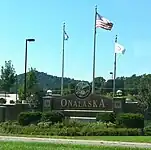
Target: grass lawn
144, 139
46, 146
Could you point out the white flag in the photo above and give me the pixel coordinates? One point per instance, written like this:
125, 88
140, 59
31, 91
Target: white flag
119, 48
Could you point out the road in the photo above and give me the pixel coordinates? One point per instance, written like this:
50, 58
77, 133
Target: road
74, 141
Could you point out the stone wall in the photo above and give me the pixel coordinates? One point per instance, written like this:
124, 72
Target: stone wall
11, 112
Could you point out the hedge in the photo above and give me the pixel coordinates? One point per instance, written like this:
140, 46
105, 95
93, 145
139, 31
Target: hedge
130, 120
58, 130
106, 117
26, 118
148, 131
53, 117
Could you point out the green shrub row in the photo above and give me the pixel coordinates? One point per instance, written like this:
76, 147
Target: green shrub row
148, 131
130, 120
60, 129
26, 118
127, 120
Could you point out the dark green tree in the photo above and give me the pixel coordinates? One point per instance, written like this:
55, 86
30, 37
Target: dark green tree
34, 92
99, 85
31, 84
21, 92
144, 93
99, 82
131, 84
8, 76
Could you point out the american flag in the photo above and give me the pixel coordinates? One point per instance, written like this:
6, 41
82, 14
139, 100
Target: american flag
104, 23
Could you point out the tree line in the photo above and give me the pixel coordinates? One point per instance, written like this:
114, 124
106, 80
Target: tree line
135, 87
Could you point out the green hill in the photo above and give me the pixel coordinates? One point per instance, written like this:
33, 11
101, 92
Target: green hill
46, 81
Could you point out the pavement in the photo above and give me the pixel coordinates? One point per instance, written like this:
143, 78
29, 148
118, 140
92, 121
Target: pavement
74, 141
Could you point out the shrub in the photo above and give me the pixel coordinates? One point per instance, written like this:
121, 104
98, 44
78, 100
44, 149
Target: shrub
148, 131
53, 117
26, 118
2, 101
59, 130
148, 116
106, 117
12, 101
18, 101
73, 123
44, 124
130, 120
6, 123
110, 132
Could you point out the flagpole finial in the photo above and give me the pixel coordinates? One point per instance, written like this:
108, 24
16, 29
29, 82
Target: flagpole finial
95, 7
116, 38
64, 26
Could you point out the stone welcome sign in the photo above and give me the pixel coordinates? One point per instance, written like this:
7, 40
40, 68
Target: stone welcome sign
72, 102
82, 99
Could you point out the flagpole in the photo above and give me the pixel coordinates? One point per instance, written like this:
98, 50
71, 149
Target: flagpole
62, 61
114, 79
94, 51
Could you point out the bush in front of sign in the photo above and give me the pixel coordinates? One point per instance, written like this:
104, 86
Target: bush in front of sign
148, 130
2, 101
74, 123
130, 120
26, 118
106, 117
59, 130
53, 117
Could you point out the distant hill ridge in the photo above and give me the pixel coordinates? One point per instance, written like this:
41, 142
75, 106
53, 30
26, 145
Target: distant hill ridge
47, 81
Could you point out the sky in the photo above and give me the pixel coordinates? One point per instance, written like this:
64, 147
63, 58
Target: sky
43, 20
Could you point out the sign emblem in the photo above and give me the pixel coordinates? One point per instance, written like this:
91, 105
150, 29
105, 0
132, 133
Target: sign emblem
83, 89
